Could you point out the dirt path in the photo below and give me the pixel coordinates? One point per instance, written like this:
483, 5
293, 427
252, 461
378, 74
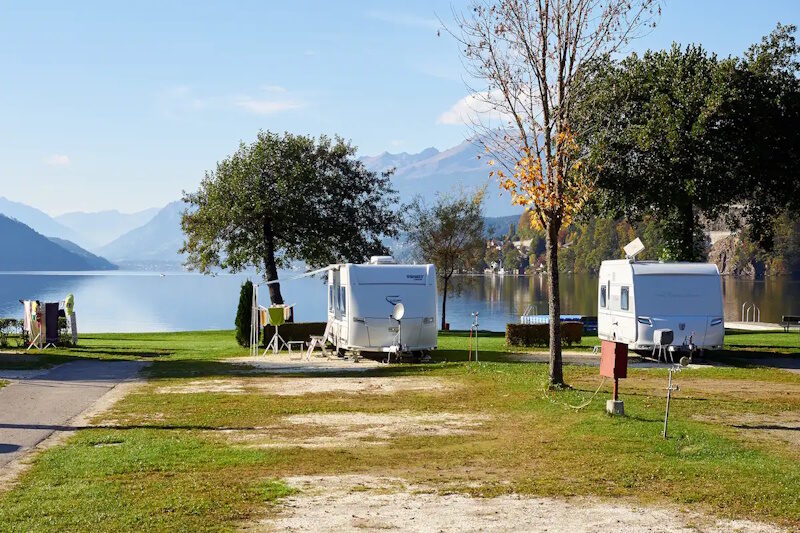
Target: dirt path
365, 503
43, 403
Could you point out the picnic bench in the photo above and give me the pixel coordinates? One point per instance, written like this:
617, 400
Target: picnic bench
789, 320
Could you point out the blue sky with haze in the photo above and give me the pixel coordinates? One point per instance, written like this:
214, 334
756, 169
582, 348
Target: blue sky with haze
123, 104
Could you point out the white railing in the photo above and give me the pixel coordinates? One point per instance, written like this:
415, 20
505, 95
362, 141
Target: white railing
533, 318
747, 307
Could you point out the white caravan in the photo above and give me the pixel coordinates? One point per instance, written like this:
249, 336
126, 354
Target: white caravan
361, 299
636, 298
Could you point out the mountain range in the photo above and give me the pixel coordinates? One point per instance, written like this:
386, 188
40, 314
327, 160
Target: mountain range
100, 228
154, 236
433, 171
25, 249
158, 240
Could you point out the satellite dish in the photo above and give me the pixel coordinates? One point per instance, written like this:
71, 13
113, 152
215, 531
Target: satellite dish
398, 311
633, 248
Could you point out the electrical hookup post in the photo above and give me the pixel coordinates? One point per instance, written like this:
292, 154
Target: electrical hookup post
473, 328
614, 365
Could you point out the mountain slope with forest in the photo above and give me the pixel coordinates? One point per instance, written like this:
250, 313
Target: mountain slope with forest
37, 220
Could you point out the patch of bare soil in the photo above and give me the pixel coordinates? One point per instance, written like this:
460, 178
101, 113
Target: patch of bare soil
784, 427
285, 363
356, 503
334, 430
317, 385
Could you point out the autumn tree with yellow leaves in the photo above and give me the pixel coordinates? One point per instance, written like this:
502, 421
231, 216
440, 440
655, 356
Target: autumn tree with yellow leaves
531, 55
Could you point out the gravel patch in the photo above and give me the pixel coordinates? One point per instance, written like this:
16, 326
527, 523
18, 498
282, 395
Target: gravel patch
358, 503
283, 363
316, 385
335, 430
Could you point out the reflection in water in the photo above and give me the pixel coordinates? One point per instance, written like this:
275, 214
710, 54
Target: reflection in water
501, 299
141, 301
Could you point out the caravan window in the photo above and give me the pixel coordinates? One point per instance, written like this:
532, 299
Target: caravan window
342, 300
623, 298
330, 298
603, 296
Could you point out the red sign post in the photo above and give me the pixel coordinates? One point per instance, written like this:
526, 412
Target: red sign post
614, 364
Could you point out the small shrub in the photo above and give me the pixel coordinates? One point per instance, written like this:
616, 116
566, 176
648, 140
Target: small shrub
244, 314
539, 334
9, 327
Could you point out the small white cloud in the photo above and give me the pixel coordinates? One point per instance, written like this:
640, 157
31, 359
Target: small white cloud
57, 160
397, 143
266, 106
310, 53
404, 19
181, 99
473, 108
273, 89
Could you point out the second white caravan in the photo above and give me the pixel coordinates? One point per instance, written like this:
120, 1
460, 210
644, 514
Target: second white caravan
636, 298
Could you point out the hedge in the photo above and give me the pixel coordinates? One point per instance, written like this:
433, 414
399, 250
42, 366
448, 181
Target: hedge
295, 331
539, 334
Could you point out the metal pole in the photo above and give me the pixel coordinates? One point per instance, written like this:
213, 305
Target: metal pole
669, 395
476, 336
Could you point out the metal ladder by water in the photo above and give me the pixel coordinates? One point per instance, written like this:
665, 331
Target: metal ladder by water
750, 306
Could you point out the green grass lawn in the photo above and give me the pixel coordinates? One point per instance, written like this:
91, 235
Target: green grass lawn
160, 461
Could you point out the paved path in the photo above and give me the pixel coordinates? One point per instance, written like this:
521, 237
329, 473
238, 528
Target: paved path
32, 409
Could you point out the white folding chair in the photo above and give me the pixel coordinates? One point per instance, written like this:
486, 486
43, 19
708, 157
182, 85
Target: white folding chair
319, 341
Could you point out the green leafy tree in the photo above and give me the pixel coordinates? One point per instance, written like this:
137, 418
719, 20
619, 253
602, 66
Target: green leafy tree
766, 112
449, 234
512, 259
244, 314
287, 198
659, 142
492, 255
679, 134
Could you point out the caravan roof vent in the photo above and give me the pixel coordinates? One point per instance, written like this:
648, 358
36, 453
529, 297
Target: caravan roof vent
381, 260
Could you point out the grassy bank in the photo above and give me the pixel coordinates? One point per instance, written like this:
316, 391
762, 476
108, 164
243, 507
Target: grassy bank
195, 460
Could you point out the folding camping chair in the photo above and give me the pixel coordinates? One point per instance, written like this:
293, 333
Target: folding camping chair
320, 341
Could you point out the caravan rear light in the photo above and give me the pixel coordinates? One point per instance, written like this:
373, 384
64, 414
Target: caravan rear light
644, 320
716, 322
359, 320
427, 320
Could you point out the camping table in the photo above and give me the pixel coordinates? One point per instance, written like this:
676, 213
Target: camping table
300, 344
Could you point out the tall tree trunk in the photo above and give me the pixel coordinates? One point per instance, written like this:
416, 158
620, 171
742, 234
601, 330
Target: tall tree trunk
270, 267
556, 371
444, 300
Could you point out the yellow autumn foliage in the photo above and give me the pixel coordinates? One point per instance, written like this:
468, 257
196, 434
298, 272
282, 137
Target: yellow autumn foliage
558, 198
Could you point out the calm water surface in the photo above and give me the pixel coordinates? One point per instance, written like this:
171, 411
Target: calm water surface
144, 301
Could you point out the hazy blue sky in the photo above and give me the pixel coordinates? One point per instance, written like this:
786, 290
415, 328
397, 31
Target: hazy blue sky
124, 104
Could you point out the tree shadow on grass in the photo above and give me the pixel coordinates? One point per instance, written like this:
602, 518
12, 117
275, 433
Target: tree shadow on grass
755, 358
110, 353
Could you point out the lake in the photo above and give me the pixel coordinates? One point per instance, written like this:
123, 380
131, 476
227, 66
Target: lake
177, 301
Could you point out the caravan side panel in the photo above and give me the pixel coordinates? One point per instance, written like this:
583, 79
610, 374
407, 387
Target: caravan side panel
616, 310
